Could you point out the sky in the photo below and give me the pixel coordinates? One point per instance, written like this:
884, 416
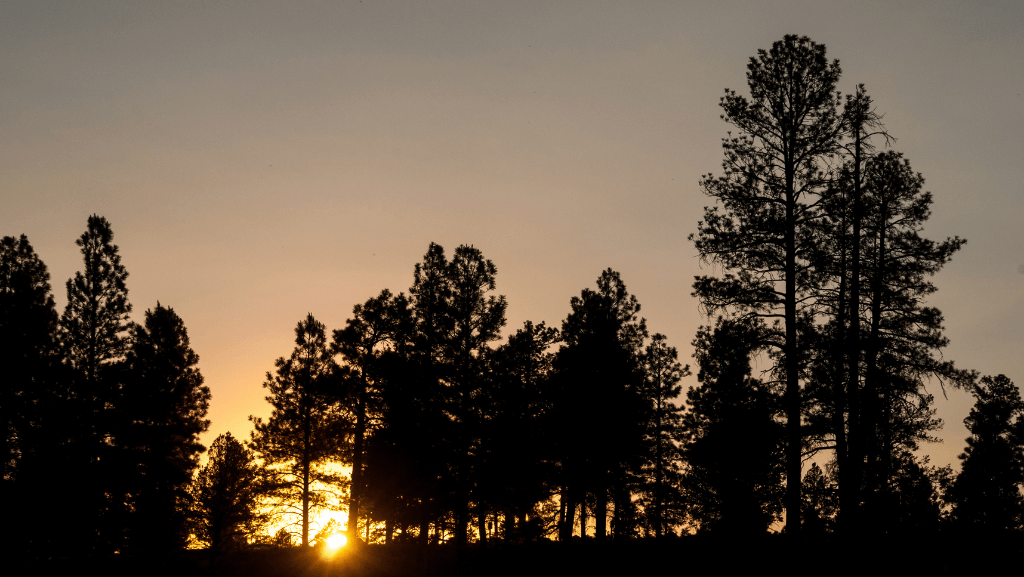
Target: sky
259, 161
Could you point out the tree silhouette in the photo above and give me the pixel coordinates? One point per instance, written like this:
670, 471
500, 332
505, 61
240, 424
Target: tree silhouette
867, 383
30, 410
986, 495
907, 503
456, 320
478, 319
96, 319
732, 442
307, 428
425, 395
599, 404
775, 176
95, 338
406, 451
375, 327
515, 471
162, 413
820, 502
836, 356
663, 505
905, 338
226, 496
28, 325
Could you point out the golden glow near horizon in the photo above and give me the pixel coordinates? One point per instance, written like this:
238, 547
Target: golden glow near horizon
318, 520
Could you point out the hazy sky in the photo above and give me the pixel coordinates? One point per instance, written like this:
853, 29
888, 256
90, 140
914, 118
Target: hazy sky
259, 161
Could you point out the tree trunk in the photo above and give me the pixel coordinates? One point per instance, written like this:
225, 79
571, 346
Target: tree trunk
357, 460
792, 395
481, 527
600, 511
305, 478
840, 405
657, 465
583, 517
850, 508
567, 514
874, 345
461, 521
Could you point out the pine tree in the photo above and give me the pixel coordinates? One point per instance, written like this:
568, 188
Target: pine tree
986, 494
663, 372
599, 405
226, 497
515, 469
96, 319
28, 325
881, 342
162, 413
95, 337
376, 327
820, 502
904, 339
307, 429
478, 316
834, 389
30, 411
732, 414
775, 176
457, 318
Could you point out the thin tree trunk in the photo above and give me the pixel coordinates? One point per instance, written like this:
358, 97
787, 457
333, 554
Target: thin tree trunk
853, 481
583, 517
874, 345
658, 464
305, 477
600, 510
356, 494
568, 514
840, 406
792, 395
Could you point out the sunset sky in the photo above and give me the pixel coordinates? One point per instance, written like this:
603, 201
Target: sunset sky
258, 161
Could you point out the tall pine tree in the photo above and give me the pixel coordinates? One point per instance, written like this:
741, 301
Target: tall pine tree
599, 405
162, 412
663, 503
308, 428
95, 337
29, 408
28, 323
775, 176
376, 327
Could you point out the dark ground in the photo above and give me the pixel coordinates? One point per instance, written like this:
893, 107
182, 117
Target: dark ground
674, 556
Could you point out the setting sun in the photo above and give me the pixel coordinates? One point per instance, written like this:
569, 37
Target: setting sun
337, 541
